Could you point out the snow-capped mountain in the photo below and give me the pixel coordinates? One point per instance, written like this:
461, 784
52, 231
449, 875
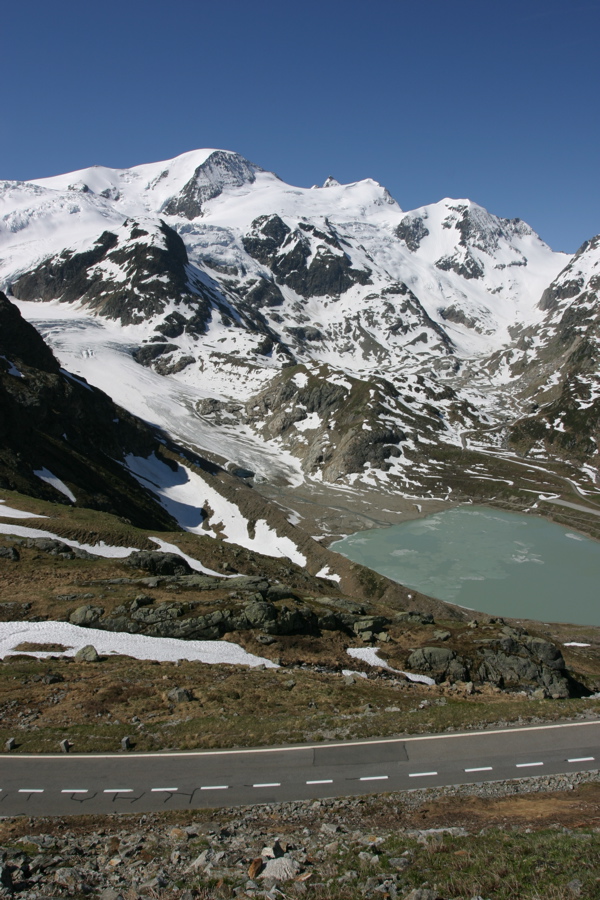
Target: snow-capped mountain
318, 333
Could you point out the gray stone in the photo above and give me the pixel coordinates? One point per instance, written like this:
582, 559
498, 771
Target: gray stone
180, 695
86, 615
430, 659
10, 553
87, 654
441, 635
260, 614
158, 563
284, 868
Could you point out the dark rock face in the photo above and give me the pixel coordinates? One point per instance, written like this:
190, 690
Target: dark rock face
480, 230
158, 563
412, 231
347, 433
156, 273
220, 170
440, 662
51, 420
264, 293
566, 420
512, 661
19, 340
465, 265
272, 243
456, 314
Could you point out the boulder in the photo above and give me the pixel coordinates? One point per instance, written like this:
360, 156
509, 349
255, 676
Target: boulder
87, 654
158, 563
86, 615
179, 695
431, 659
283, 868
9, 553
260, 614
370, 623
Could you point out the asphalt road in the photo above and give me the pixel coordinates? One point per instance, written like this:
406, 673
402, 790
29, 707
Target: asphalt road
131, 782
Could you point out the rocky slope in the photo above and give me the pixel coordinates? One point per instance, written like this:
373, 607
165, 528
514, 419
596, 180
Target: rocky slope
565, 391
62, 439
422, 845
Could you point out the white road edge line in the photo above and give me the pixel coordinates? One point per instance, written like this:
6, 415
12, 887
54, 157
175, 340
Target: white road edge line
582, 759
323, 781
374, 778
163, 790
420, 774
480, 769
216, 787
300, 747
528, 765
268, 784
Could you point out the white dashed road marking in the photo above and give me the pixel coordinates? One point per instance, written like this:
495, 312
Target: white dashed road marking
374, 778
528, 765
76, 791
480, 769
119, 791
582, 759
31, 790
324, 781
268, 784
420, 774
163, 790
219, 787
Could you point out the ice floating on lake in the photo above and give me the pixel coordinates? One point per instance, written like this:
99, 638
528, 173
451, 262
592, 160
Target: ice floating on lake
109, 643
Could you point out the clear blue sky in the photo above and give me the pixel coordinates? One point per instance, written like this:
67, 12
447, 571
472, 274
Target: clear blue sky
496, 101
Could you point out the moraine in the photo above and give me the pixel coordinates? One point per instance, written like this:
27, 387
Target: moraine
501, 563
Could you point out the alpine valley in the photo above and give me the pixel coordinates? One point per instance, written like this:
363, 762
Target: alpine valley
255, 369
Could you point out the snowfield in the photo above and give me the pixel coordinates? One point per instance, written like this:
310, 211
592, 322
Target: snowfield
109, 643
370, 656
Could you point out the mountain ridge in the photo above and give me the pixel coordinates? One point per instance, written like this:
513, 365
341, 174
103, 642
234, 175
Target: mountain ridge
216, 277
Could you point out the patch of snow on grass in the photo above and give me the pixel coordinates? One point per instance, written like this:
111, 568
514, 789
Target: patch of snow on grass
47, 476
194, 564
370, 656
10, 513
184, 494
312, 421
109, 642
325, 573
99, 549
300, 379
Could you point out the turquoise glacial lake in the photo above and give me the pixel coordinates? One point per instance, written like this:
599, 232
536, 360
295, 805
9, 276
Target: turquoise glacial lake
501, 563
